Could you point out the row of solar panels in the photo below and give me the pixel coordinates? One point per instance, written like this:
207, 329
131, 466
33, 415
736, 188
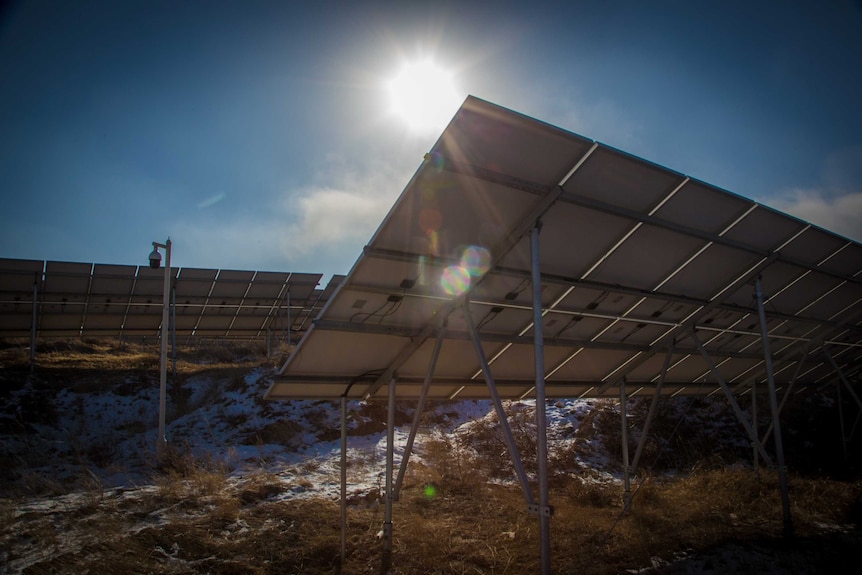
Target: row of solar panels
68, 299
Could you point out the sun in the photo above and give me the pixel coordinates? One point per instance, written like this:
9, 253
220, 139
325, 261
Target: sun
423, 96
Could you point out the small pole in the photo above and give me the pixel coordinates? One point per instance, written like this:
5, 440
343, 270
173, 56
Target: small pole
541, 416
754, 426
174, 331
386, 566
343, 478
773, 406
33, 326
161, 440
627, 483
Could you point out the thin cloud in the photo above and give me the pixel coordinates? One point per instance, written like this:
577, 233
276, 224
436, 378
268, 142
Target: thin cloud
839, 213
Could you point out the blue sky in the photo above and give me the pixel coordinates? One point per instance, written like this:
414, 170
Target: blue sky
259, 135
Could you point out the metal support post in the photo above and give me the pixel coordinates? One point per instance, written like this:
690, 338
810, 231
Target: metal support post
33, 325
842, 377
541, 415
802, 358
343, 477
289, 327
740, 415
756, 458
773, 405
841, 421
652, 409
174, 331
420, 408
161, 440
627, 483
386, 565
498, 406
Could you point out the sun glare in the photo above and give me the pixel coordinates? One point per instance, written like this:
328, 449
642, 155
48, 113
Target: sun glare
423, 96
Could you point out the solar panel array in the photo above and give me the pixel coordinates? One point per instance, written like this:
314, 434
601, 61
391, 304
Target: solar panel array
101, 300
641, 267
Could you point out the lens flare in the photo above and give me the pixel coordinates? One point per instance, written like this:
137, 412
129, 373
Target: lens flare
476, 260
430, 491
430, 220
455, 280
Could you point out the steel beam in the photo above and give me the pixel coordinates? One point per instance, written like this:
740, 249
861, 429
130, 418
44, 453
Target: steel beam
740, 415
501, 413
541, 417
420, 408
773, 405
386, 566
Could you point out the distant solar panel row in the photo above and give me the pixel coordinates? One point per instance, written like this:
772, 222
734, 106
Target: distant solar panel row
82, 299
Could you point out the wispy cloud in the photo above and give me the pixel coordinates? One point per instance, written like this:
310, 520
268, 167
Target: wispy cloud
319, 227
838, 213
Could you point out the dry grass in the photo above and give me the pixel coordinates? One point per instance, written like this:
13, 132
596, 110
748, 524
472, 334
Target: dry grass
464, 528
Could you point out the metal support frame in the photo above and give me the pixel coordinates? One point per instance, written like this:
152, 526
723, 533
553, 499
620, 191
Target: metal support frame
386, 564
841, 420
545, 510
174, 329
652, 409
627, 484
773, 405
842, 379
420, 408
343, 490
755, 456
498, 406
33, 326
161, 440
740, 415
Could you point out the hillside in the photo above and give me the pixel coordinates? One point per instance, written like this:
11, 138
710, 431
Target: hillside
252, 486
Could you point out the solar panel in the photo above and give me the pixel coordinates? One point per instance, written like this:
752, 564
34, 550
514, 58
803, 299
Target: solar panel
109, 295
82, 299
635, 260
64, 296
17, 281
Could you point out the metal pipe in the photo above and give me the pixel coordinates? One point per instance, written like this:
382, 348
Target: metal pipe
33, 325
652, 409
161, 440
174, 330
756, 457
773, 405
498, 406
343, 477
420, 407
541, 416
729, 394
386, 565
627, 483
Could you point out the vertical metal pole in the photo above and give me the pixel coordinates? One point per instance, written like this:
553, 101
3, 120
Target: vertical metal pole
161, 440
754, 425
174, 330
33, 326
268, 340
841, 421
386, 566
343, 477
289, 326
541, 416
627, 483
773, 405
420, 407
